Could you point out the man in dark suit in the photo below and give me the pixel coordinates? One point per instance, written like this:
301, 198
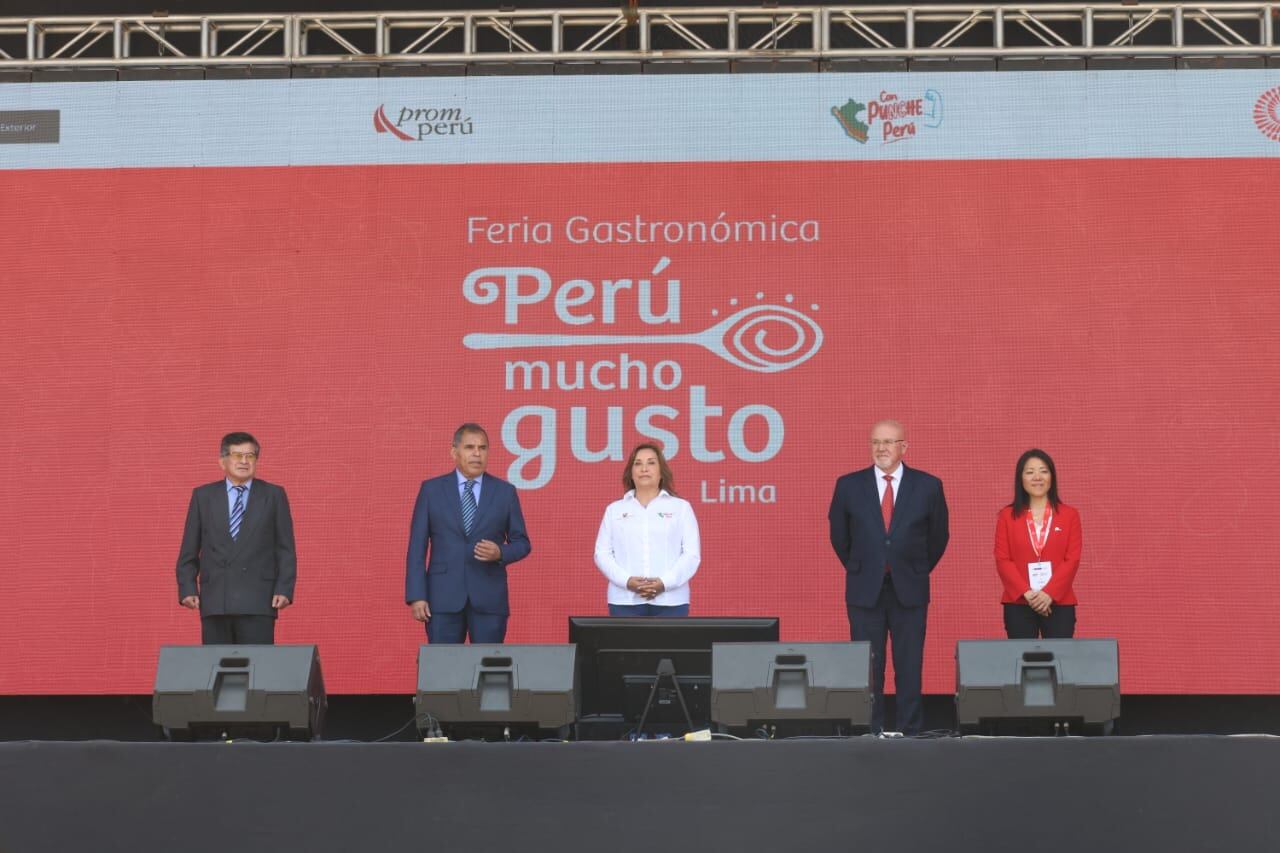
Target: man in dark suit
472, 525
889, 529
237, 564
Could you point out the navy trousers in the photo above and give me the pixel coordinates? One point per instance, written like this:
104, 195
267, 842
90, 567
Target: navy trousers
888, 621
486, 628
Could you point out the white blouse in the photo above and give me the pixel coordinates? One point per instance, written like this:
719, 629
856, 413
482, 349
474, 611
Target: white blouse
655, 541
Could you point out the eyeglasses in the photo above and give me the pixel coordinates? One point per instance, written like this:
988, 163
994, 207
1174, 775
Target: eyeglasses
886, 442
243, 457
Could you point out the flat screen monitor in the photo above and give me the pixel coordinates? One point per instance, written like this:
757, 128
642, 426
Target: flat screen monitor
619, 657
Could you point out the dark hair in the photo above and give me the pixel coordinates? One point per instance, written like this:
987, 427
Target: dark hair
1022, 500
232, 438
666, 480
466, 428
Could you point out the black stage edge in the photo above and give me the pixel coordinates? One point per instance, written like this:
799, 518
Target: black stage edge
369, 718
983, 795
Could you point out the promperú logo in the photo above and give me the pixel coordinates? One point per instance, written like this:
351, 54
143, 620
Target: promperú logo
418, 124
1266, 114
900, 118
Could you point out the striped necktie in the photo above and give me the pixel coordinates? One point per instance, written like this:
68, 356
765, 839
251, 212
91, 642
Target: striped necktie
237, 511
469, 507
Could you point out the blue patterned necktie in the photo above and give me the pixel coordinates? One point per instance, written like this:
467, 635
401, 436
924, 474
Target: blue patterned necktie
237, 511
468, 506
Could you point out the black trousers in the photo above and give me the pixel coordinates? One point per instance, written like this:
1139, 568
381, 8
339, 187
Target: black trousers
238, 630
1023, 623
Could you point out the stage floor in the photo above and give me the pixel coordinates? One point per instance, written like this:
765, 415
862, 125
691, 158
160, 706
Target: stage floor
955, 794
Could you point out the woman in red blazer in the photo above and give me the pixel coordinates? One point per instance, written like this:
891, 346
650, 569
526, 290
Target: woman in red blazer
1037, 554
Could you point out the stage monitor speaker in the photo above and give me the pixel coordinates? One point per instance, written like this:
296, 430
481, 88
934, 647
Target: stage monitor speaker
791, 688
1059, 682
496, 692
239, 691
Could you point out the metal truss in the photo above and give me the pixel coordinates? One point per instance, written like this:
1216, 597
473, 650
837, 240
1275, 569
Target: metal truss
813, 33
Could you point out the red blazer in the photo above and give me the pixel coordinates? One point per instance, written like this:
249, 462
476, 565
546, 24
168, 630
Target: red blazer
1013, 552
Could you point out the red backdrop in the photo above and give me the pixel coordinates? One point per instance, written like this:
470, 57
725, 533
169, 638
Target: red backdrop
1119, 314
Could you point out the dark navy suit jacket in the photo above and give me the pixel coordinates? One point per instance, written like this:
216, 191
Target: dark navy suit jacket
452, 575
911, 547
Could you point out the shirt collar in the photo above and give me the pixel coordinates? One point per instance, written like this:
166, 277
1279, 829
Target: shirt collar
631, 495
896, 475
462, 479
248, 484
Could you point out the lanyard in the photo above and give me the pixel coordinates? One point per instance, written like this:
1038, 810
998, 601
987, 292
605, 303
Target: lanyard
1041, 536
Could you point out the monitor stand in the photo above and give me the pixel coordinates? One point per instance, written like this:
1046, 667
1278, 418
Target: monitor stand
667, 670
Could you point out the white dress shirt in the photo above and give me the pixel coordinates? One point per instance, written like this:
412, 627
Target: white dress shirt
881, 485
655, 541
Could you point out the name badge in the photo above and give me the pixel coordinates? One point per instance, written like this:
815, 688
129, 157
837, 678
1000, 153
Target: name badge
1039, 574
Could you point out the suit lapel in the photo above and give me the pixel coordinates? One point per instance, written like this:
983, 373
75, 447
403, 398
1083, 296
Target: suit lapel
221, 512
253, 513
453, 495
870, 492
488, 492
906, 489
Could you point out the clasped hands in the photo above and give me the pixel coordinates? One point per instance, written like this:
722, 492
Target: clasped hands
646, 588
1039, 600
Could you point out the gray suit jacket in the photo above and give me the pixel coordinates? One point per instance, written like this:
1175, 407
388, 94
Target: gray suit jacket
237, 577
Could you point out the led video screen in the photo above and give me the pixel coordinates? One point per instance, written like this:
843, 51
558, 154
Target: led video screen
750, 270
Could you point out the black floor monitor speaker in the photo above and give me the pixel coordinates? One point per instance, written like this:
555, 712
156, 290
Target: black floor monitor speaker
791, 688
1037, 686
496, 692
263, 692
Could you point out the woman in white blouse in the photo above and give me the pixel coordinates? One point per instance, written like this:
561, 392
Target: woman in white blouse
648, 545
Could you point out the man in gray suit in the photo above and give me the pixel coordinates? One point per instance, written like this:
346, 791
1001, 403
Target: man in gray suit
237, 564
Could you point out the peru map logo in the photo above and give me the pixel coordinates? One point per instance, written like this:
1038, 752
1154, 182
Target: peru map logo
899, 117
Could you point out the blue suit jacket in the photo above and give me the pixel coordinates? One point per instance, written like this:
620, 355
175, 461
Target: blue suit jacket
453, 576
911, 547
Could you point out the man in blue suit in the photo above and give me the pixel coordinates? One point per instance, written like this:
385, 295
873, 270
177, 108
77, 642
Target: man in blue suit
472, 525
889, 529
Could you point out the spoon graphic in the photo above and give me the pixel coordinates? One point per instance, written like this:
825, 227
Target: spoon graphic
723, 339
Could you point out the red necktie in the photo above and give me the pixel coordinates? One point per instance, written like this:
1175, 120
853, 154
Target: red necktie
886, 503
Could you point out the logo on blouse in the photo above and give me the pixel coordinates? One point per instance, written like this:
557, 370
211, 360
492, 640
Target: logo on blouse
666, 515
